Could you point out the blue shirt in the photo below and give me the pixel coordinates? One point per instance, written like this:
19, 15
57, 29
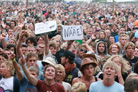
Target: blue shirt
100, 87
26, 86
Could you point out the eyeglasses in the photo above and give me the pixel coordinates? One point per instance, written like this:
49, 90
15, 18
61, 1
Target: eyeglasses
83, 50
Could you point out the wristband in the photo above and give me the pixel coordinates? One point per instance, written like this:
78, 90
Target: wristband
14, 60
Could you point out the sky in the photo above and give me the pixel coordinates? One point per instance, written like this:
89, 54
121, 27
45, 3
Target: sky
107, 0
121, 0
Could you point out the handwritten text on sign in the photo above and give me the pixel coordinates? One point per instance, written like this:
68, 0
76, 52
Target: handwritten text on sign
72, 32
41, 28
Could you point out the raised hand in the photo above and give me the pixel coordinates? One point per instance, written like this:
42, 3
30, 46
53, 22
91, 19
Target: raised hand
22, 34
21, 25
12, 56
22, 60
1, 50
93, 37
3, 24
2, 36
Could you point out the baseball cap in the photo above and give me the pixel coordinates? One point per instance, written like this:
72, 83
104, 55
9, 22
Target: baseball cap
69, 55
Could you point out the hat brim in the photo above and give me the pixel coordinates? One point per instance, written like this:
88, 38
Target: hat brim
90, 55
93, 63
47, 62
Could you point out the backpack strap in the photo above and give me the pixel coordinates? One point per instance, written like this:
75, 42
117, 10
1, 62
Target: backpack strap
16, 86
0, 77
96, 79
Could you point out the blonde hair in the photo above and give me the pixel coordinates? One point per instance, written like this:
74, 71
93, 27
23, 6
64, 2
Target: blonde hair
132, 75
11, 40
9, 65
79, 87
123, 35
60, 67
110, 63
64, 44
16, 27
124, 68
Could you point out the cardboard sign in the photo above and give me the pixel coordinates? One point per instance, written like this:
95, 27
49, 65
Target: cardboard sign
72, 32
43, 28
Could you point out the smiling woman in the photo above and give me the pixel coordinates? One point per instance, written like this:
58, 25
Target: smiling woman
7, 82
60, 76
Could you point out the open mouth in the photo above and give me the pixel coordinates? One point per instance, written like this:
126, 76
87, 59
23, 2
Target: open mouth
108, 74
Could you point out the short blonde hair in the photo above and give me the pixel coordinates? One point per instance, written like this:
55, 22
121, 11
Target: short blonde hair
108, 63
123, 35
124, 68
79, 87
64, 44
9, 65
132, 75
60, 67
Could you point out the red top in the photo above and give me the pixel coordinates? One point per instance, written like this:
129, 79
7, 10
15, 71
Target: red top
43, 87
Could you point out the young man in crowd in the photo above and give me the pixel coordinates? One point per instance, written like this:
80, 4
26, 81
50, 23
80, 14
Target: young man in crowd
67, 60
108, 83
129, 49
49, 85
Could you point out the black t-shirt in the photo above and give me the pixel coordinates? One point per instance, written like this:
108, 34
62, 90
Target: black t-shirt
124, 75
132, 61
72, 75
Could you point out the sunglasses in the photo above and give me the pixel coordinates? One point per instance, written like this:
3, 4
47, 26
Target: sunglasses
83, 50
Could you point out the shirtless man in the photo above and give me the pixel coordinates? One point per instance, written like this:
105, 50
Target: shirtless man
88, 70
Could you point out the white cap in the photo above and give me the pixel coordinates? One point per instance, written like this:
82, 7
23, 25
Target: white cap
49, 60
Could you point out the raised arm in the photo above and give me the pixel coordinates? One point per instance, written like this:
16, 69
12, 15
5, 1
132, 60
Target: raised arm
69, 44
120, 77
19, 43
92, 38
30, 77
2, 38
88, 47
17, 68
46, 44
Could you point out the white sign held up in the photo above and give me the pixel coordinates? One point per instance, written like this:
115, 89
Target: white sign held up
42, 28
72, 32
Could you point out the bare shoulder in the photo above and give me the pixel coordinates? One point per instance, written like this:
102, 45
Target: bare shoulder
76, 80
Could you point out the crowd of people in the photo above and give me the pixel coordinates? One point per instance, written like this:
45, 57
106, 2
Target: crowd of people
105, 60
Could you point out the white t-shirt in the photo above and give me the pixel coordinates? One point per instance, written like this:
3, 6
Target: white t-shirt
7, 83
67, 86
49, 55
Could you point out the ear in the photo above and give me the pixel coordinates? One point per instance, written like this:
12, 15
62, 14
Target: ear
67, 60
